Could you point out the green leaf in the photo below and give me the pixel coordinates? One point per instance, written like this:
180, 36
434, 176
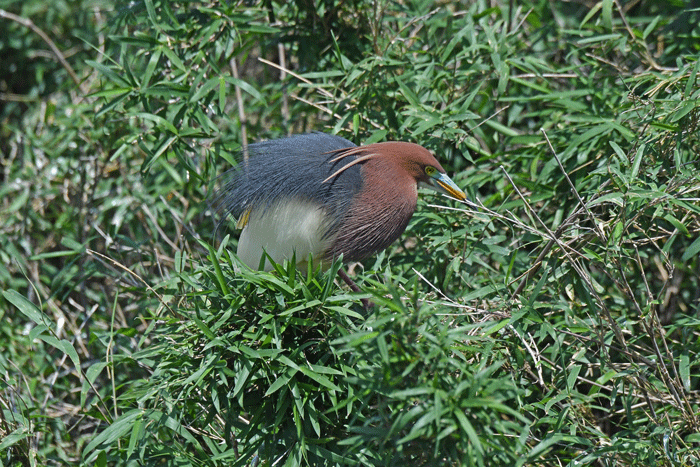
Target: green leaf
677, 224
410, 96
159, 121
692, 251
637, 162
684, 370
245, 86
607, 14
27, 308
110, 74
117, 430
281, 381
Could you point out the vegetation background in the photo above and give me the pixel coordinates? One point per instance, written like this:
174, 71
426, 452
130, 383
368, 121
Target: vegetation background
556, 324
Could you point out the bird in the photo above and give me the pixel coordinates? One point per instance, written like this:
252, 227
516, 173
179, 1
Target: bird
320, 195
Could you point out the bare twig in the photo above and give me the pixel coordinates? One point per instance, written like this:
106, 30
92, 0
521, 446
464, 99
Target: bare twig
318, 106
26, 22
133, 274
674, 383
582, 274
535, 356
599, 232
635, 37
283, 75
297, 76
419, 20
241, 110
432, 286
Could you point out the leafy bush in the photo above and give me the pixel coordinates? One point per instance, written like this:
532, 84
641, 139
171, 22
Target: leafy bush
554, 321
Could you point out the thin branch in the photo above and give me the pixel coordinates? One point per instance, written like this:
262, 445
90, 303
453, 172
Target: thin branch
26, 22
283, 75
136, 276
584, 277
241, 110
297, 76
601, 235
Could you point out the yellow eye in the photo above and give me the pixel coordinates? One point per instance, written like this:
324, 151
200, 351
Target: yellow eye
430, 170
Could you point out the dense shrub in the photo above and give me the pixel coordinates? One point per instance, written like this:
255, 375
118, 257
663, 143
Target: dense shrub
553, 321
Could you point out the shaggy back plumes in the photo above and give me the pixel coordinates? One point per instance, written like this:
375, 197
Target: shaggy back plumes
289, 168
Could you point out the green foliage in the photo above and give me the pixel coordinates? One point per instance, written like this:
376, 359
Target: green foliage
553, 322
284, 370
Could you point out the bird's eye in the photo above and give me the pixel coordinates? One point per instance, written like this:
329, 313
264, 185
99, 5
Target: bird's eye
430, 170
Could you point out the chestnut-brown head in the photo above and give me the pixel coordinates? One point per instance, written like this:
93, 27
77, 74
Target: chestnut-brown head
391, 173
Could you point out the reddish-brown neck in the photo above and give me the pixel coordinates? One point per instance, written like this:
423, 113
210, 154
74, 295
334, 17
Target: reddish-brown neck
383, 207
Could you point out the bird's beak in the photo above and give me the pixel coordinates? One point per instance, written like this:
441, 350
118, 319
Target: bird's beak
442, 183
